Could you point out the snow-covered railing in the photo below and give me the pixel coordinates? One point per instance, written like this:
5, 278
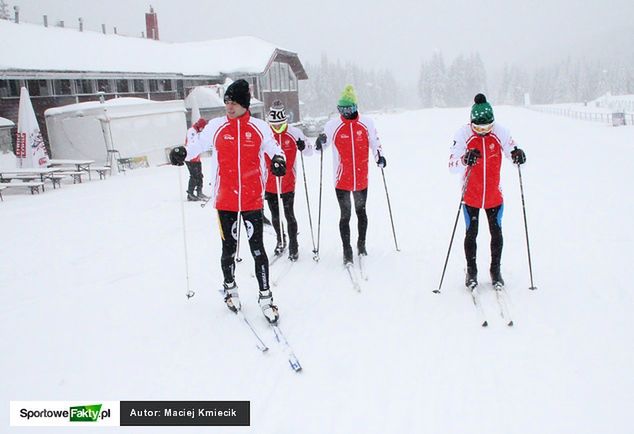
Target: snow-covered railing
606, 116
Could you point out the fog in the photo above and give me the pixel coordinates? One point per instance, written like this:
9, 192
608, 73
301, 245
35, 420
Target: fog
379, 34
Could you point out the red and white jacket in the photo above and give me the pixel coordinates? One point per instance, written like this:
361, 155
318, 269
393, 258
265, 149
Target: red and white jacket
288, 141
483, 188
238, 147
353, 139
189, 138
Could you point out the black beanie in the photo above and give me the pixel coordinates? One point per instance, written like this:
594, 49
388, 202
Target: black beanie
238, 92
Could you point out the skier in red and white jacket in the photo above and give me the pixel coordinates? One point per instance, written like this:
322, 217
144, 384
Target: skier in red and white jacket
291, 139
476, 153
354, 137
195, 186
239, 142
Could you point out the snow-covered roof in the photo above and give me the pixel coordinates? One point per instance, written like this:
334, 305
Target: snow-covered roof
4, 123
28, 47
118, 107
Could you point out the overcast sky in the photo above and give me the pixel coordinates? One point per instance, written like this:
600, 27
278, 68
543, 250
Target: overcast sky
395, 34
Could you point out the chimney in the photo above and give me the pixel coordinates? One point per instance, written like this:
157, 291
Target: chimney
103, 29
151, 25
81, 24
16, 9
45, 20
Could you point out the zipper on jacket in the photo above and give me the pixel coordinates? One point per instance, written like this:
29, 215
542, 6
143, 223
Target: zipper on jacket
484, 171
354, 163
239, 173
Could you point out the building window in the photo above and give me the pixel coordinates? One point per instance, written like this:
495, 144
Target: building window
122, 86
275, 76
153, 85
139, 85
165, 85
104, 86
265, 81
292, 78
284, 82
37, 87
83, 86
9, 88
62, 87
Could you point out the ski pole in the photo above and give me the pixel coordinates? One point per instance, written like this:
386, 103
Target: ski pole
528, 247
310, 218
464, 188
389, 207
189, 294
278, 182
321, 172
238, 258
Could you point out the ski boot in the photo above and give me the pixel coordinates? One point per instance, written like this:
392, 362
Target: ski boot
202, 196
191, 197
280, 247
293, 253
347, 256
265, 300
231, 296
361, 248
496, 278
471, 279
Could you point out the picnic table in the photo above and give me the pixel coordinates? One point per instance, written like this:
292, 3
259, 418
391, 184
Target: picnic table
22, 172
80, 165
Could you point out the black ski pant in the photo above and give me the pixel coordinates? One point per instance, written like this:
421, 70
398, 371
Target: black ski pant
288, 203
195, 177
360, 197
229, 233
494, 216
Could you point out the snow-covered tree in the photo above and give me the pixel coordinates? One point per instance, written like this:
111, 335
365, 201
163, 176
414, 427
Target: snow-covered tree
4, 11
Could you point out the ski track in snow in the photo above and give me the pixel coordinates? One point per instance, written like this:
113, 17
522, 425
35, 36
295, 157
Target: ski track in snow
92, 301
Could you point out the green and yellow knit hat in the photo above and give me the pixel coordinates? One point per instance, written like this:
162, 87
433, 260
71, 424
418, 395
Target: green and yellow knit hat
348, 97
481, 111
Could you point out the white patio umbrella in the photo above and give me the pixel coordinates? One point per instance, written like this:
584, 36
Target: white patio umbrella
30, 149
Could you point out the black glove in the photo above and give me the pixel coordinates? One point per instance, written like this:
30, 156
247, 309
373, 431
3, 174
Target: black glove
177, 155
518, 156
301, 145
471, 157
278, 166
381, 162
321, 139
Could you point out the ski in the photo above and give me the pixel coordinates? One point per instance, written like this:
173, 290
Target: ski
353, 277
259, 343
277, 257
500, 296
290, 354
364, 276
283, 271
475, 297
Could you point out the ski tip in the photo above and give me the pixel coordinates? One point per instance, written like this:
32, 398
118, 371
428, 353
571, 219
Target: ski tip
485, 324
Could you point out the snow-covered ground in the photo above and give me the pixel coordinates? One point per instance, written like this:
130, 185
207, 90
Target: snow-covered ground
93, 306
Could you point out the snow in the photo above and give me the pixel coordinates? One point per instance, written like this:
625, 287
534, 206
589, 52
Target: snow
96, 52
93, 299
6, 123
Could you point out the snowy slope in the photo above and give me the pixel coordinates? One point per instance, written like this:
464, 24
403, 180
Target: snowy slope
92, 297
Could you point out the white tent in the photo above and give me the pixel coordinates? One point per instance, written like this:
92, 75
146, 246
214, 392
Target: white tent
135, 127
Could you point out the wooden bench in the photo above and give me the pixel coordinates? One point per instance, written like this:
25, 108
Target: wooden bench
101, 170
33, 185
76, 175
56, 178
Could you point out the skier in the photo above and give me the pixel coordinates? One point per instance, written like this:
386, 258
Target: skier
353, 136
291, 140
195, 187
239, 142
477, 154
